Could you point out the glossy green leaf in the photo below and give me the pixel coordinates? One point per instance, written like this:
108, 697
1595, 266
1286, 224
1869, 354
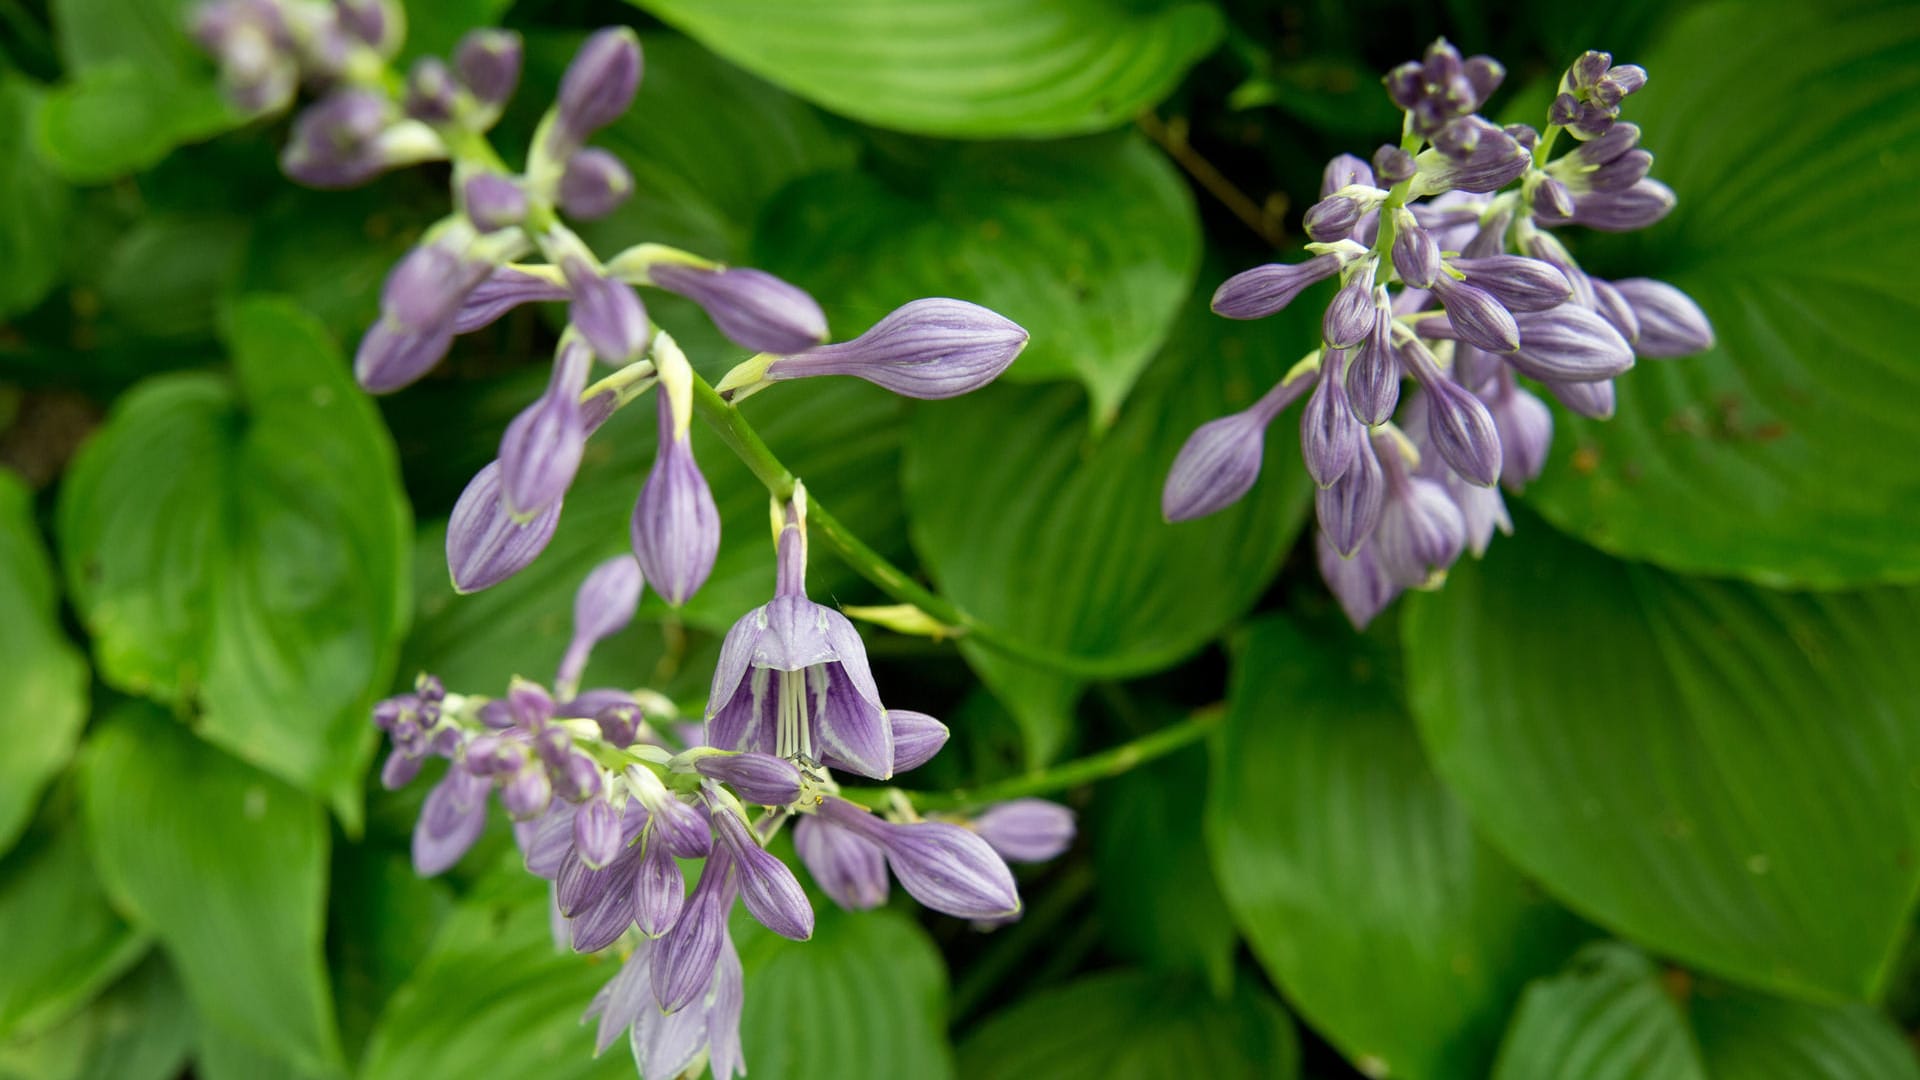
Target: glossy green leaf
34, 203
63, 942
1129, 1025
1721, 773
1607, 1017
965, 68
865, 999
1785, 454
1343, 859
43, 699
1745, 1036
380, 924
1158, 900
1033, 526
228, 867
493, 997
167, 275
140, 1029
1091, 245
239, 545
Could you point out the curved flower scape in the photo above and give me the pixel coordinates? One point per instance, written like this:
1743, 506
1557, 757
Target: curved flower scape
1448, 280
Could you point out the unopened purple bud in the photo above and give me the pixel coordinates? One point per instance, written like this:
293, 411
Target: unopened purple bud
1350, 315
370, 22
1494, 161
547, 841
1620, 81
399, 770
1349, 508
1619, 174
1264, 290
540, 452
488, 62
1405, 84
594, 184
659, 889
761, 779
1392, 164
1485, 74
944, 866
1636, 207
1421, 531
527, 794
917, 737
1516, 281
1592, 120
1461, 138
491, 755
608, 313
450, 821
1594, 399
1482, 510
577, 778
1553, 200
1343, 171
1599, 151
430, 96
1415, 254
676, 526
605, 603
931, 348
391, 357
1373, 374
1588, 69
684, 957
681, 827
1026, 830
1526, 431
602, 922
1359, 583
619, 724
752, 307
335, 142
1524, 134
1563, 110
1671, 324
768, 888
848, 867
1330, 435
1462, 430
500, 292
600, 82
1489, 239
494, 202
1219, 462
1476, 316
1333, 217
1613, 307
596, 833
1570, 344
485, 546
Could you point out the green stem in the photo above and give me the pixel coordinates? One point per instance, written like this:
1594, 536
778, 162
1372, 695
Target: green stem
1068, 774
733, 428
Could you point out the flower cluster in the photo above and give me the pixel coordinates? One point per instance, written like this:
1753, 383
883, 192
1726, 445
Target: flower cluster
1449, 280
607, 793
507, 243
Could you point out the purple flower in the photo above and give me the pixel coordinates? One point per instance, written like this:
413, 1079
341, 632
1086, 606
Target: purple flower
1026, 830
337, 142
598, 85
541, 449
1671, 324
1221, 459
1264, 290
1373, 373
485, 546
504, 289
594, 184
1421, 532
1349, 508
917, 737
418, 303
944, 866
659, 889
849, 868
1478, 318
1330, 435
752, 307
684, 957
596, 833
930, 349
770, 891
758, 778
608, 313
1526, 431
1358, 581
1569, 344
488, 63
1590, 399
676, 526
450, 821
494, 202
1351, 314
602, 607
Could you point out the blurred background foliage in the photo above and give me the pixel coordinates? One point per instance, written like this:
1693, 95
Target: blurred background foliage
1638, 796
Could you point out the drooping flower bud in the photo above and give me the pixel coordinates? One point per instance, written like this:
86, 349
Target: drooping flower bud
1264, 290
527, 792
1526, 431
676, 526
494, 202
1671, 324
761, 779
504, 289
659, 889
599, 84
1421, 532
1516, 281
930, 349
1373, 373
594, 184
1415, 254
684, 957
752, 307
602, 607
1219, 462
1457, 423
944, 866
1477, 317
1351, 314
1349, 508
683, 828
540, 452
602, 922
917, 737
596, 833
1358, 582
1613, 307
431, 96
1626, 210
1342, 171
607, 312
848, 867
1594, 400
485, 546
488, 63
1330, 435
391, 356
1392, 164
1026, 830
450, 821
768, 888
349, 137
1570, 344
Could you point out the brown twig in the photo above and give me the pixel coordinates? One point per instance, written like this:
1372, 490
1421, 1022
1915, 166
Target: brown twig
1172, 137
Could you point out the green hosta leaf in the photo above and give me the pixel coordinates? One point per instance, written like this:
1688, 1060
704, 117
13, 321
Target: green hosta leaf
1607, 1017
380, 924
167, 274
63, 942
43, 698
33, 202
1128, 1025
239, 545
1719, 772
1091, 245
494, 998
1343, 858
1785, 454
865, 999
434, 27
1056, 539
966, 68
140, 1029
1611, 1016
228, 867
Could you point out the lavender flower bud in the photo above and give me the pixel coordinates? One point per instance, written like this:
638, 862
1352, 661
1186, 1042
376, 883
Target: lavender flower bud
1485, 74
676, 526
944, 866
485, 546
431, 96
761, 779
1392, 164
594, 184
577, 778
620, 723
1524, 134
399, 770
1219, 462
596, 833
1343, 171
1570, 344
1670, 323
488, 62
1350, 315
599, 84
1599, 151
335, 142
1592, 120
1264, 290
684, 957
1517, 282
1457, 423
917, 737
1553, 199
1495, 161
1405, 84
1330, 436
602, 922
930, 349
1588, 69
1593, 399
494, 202
1489, 239
546, 841
608, 313
1620, 81
259, 70
541, 449
1619, 174
1357, 582
1415, 254
527, 793
1526, 431
1373, 374
1476, 316
1421, 531
1636, 207
1482, 510
752, 307
659, 890
771, 892
500, 292
579, 887
491, 755
450, 821
849, 868
1333, 217
371, 22
1349, 508
681, 827
1026, 830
